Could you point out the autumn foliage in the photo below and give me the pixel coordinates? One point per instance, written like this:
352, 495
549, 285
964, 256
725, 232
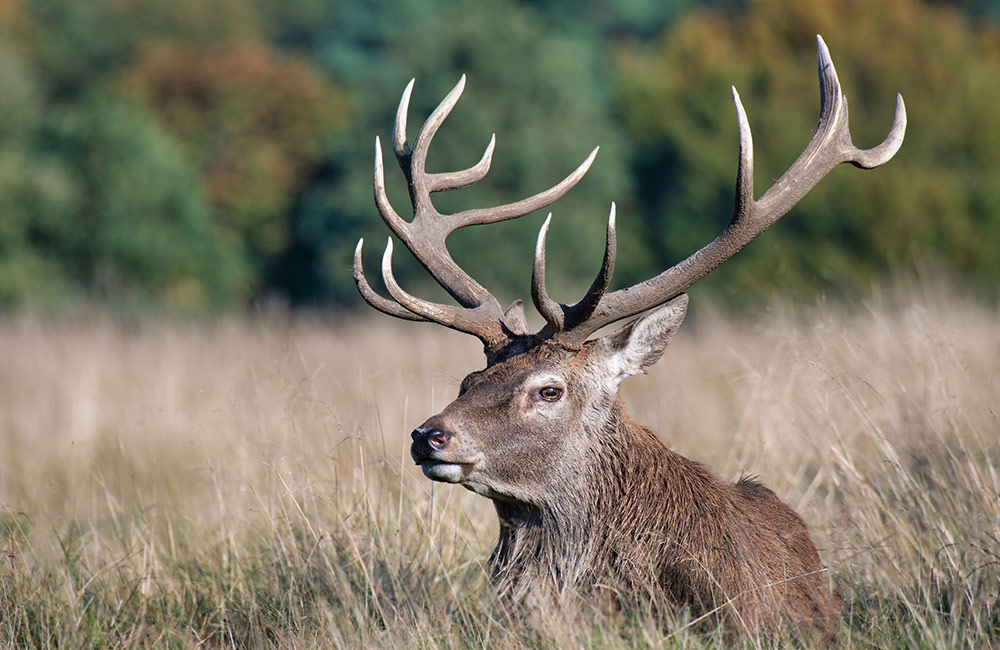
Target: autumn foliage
195, 156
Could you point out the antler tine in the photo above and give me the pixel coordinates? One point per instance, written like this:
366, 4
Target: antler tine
374, 299
390, 216
420, 182
456, 180
399, 126
481, 321
479, 216
581, 310
550, 310
830, 146
743, 202
830, 85
562, 317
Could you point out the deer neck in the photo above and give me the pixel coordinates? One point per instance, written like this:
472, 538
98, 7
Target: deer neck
590, 521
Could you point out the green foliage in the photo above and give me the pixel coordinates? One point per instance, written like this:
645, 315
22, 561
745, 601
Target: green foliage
248, 120
138, 229
194, 155
96, 201
541, 92
142, 164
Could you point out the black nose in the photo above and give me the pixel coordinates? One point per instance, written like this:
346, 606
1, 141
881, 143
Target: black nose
436, 438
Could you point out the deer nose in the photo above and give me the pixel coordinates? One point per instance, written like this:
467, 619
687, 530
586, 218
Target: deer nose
436, 438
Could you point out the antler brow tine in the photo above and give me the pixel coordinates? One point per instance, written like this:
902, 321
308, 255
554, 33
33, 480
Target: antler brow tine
372, 297
550, 310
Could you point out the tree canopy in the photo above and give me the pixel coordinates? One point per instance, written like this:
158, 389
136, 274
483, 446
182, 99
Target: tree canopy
191, 156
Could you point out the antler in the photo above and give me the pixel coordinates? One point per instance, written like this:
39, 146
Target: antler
479, 312
830, 146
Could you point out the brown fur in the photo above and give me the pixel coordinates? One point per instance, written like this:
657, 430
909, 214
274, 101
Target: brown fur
590, 502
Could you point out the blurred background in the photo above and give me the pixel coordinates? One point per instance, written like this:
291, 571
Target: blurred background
192, 157
222, 482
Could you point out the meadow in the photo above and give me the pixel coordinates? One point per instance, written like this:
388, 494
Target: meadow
247, 483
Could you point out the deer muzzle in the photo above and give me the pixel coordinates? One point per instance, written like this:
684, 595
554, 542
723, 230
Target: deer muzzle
430, 450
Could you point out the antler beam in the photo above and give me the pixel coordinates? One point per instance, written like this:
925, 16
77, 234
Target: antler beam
478, 312
830, 146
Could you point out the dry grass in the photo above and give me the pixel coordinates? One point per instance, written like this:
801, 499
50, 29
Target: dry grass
249, 485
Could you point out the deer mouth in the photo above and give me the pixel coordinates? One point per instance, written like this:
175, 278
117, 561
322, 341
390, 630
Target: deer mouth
438, 470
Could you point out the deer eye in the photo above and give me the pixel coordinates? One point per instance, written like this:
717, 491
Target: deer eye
550, 393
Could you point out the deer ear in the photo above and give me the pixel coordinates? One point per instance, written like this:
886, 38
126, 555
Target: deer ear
641, 343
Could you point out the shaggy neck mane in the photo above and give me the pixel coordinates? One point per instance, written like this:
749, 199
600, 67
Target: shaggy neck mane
641, 523
603, 524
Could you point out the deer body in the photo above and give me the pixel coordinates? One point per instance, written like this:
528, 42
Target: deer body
589, 501
674, 531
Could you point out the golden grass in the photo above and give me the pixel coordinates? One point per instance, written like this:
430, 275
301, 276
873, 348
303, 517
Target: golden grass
248, 484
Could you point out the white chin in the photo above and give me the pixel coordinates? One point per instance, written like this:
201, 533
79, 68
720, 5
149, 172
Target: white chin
444, 472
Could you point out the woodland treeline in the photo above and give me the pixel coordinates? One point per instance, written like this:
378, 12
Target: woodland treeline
192, 156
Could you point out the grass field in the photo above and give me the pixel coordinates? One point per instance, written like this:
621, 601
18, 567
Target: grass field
248, 484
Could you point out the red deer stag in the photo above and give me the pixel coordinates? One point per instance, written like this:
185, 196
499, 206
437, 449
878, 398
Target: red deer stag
587, 499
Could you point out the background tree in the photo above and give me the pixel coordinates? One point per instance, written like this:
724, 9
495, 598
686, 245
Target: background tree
252, 124
196, 155
152, 151
541, 92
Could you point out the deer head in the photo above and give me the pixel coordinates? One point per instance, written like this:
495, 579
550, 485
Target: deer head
540, 430
538, 387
